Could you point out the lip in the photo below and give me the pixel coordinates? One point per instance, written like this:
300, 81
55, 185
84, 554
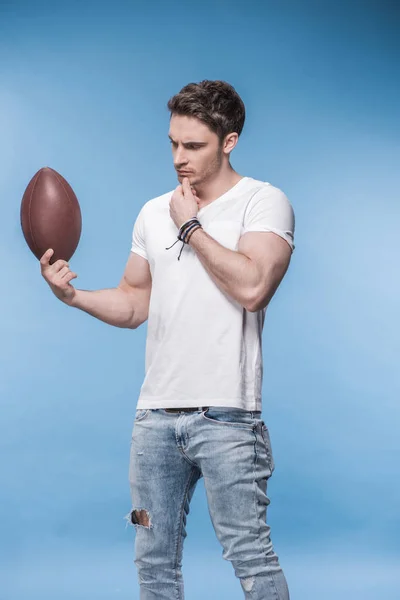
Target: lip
184, 172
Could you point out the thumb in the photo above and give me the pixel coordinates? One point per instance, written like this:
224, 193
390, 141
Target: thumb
44, 261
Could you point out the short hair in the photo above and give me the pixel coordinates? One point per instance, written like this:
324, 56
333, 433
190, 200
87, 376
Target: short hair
216, 103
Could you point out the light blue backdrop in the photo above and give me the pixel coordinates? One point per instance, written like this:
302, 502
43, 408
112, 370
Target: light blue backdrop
83, 89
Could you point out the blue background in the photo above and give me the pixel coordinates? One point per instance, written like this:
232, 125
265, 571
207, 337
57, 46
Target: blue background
83, 89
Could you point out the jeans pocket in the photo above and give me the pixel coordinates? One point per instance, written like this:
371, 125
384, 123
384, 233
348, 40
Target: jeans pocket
141, 413
229, 417
268, 445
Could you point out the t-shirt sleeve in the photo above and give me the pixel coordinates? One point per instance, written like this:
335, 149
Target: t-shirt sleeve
138, 235
270, 210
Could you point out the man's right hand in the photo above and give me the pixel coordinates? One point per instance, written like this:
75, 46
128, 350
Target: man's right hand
58, 277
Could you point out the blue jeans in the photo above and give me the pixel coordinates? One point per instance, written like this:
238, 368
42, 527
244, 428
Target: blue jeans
231, 449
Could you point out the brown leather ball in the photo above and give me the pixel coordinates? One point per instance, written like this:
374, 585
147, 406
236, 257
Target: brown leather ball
51, 215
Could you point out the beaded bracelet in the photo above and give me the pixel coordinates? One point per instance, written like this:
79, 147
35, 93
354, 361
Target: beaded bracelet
183, 237
185, 232
184, 225
192, 232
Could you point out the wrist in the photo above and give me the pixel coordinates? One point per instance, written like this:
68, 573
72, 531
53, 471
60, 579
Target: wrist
72, 301
193, 233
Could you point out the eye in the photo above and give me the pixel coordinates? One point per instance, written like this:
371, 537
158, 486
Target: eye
189, 147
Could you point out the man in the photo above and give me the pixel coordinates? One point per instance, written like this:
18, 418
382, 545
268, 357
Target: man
199, 409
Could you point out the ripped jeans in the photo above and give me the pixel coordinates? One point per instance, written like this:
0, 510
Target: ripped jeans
231, 449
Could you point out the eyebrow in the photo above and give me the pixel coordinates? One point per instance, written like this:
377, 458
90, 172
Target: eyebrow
190, 143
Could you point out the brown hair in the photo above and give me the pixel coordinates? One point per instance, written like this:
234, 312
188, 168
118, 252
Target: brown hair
216, 103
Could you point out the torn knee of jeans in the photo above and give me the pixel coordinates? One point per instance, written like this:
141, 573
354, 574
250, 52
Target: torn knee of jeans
139, 516
247, 583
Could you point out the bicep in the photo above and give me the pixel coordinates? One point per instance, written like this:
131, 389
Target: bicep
270, 255
136, 282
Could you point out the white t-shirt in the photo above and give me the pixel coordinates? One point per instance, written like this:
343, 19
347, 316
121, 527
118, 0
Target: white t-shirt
203, 348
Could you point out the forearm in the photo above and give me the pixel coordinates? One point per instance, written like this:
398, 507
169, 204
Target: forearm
112, 306
232, 271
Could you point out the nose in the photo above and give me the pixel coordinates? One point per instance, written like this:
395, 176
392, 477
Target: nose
179, 159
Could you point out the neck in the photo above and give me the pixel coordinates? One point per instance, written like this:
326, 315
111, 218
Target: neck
213, 189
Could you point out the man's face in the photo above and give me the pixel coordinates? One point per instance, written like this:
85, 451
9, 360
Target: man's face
195, 149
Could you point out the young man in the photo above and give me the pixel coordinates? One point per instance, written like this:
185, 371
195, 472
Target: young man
199, 409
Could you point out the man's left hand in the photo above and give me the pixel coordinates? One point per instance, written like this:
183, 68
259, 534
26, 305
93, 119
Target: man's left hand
183, 204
